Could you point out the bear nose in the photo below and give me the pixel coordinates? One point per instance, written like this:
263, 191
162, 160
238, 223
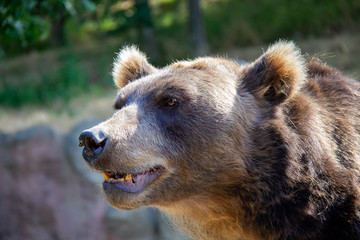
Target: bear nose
94, 142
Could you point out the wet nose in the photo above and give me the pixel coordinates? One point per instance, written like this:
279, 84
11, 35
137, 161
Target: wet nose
94, 142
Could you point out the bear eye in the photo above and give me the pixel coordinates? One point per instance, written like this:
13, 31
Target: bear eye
119, 104
169, 101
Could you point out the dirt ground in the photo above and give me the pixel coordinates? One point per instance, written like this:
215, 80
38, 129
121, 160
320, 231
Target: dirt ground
342, 52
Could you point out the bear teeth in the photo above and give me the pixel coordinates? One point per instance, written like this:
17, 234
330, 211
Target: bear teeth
113, 177
117, 177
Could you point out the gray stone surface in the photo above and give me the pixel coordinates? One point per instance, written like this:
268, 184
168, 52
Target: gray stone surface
46, 192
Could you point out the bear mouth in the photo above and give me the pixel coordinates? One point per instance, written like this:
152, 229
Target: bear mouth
132, 182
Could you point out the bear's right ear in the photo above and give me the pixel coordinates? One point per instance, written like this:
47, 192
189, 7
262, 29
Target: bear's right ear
277, 74
130, 64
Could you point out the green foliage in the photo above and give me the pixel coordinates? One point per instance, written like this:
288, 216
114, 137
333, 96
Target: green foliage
238, 23
40, 24
29, 23
20, 26
69, 80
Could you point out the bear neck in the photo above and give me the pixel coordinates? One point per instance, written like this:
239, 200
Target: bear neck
209, 219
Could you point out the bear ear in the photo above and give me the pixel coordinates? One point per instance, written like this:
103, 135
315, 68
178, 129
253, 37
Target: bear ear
277, 74
129, 65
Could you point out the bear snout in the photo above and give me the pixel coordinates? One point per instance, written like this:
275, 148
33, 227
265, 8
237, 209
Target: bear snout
94, 141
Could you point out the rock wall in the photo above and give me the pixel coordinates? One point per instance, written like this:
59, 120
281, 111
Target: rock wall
46, 192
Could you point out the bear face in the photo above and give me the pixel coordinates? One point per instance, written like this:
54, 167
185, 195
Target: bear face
162, 120
254, 151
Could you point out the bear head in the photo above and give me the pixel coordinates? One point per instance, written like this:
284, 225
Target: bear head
180, 133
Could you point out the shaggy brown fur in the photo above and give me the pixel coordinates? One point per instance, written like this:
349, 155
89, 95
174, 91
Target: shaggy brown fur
267, 150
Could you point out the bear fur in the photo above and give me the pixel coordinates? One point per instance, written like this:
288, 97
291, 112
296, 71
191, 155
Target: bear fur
266, 150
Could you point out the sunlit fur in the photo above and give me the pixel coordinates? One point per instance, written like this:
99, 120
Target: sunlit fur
129, 65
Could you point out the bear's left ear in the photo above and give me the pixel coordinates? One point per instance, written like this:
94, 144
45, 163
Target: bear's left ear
277, 74
130, 64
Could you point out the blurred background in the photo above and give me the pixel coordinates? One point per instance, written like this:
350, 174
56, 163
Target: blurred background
55, 64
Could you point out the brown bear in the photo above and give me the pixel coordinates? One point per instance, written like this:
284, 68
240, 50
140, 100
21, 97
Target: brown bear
266, 150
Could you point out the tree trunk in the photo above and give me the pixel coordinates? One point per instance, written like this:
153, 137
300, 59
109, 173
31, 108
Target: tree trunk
146, 28
57, 37
197, 33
